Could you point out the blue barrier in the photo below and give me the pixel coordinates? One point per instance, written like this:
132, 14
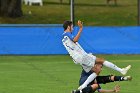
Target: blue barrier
47, 40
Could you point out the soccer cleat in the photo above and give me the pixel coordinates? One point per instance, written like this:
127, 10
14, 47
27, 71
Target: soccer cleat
127, 78
125, 70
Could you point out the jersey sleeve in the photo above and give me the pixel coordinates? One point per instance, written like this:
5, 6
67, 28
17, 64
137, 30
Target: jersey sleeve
69, 35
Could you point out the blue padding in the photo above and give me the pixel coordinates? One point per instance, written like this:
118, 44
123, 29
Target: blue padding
31, 40
111, 40
47, 40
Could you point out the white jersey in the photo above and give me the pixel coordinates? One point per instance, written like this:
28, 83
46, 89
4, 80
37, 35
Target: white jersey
78, 54
74, 49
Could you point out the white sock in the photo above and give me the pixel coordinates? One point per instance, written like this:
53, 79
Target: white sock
112, 66
89, 79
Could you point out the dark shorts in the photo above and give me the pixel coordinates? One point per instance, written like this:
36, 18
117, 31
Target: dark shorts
84, 76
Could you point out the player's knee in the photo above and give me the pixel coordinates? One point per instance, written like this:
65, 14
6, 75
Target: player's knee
112, 78
100, 60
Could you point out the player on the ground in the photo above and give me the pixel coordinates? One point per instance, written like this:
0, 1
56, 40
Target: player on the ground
78, 54
95, 84
92, 87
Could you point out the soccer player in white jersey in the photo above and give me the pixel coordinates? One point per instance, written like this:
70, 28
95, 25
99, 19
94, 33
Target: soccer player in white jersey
79, 56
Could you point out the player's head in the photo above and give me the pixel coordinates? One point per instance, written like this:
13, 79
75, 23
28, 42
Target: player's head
98, 68
68, 25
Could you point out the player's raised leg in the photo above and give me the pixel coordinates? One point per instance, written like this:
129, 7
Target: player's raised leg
113, 66
89, 79
96, 70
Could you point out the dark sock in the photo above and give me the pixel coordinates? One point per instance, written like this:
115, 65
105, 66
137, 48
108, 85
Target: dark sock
78, 91
118, 78
87, 89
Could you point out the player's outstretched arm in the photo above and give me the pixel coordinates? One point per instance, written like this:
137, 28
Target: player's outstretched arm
80, 24
116, 89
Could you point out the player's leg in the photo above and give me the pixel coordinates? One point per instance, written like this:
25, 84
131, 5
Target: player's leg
112, 66
111, 78
91, 77
121, 78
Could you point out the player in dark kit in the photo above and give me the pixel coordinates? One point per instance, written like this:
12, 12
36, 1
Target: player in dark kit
95, 84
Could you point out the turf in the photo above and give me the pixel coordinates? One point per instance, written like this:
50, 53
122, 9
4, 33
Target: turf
57, 74
92, 12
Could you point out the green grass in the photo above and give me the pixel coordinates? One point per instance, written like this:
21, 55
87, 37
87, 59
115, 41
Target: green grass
92, 12
57, 74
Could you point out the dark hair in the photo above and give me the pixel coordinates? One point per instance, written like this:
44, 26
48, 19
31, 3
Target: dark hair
66, 24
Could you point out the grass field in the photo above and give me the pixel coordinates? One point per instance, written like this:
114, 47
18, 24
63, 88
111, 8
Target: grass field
57, 74
92, 12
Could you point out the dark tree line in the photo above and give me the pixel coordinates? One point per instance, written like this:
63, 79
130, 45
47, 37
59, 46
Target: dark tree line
11, 8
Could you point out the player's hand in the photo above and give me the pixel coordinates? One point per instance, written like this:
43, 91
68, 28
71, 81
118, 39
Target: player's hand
80, 24
117, 88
